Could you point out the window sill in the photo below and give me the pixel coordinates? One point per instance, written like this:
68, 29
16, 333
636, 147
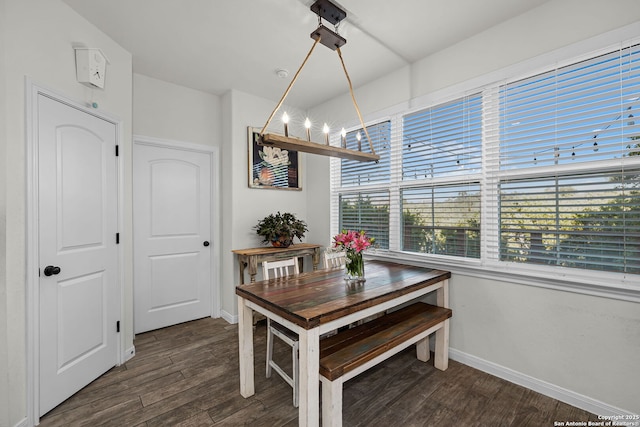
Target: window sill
606, 285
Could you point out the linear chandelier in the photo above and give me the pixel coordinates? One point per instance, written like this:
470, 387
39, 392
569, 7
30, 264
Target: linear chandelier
333, 14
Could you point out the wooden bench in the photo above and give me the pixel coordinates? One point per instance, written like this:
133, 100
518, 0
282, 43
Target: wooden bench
353, 351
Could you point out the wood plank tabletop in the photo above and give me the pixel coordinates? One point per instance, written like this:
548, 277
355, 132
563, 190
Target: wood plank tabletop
310, 299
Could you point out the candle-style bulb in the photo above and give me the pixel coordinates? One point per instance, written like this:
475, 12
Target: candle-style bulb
359, 138
285, 120
307, 125
343, 132
325, 129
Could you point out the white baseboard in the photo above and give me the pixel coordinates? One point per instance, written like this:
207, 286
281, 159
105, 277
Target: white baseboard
229, 317
22, 423
562, 394
128, 354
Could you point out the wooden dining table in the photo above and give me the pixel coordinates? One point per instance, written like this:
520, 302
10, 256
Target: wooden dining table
318, 302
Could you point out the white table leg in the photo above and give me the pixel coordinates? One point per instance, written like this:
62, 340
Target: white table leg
309, 400
245, 343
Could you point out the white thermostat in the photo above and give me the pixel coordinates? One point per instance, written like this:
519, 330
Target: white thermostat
91, 67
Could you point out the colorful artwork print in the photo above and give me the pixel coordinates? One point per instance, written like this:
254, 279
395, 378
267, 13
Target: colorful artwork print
271, 167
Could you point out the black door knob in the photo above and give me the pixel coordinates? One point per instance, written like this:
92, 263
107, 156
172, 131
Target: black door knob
206, 243
50, 270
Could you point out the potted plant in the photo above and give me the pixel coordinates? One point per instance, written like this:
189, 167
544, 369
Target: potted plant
280, 229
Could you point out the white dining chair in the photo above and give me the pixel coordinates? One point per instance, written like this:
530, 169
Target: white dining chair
279, 269
334, 259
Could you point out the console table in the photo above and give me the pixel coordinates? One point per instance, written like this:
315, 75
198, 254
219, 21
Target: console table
253, 256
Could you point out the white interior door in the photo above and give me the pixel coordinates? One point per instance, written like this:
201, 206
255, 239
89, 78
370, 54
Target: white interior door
172, 236
77, 211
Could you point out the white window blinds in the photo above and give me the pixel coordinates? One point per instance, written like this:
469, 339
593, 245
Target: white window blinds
355, 173
443, 140
368, 211
442, 220
580, 113
571, 130
589, 221
441, 160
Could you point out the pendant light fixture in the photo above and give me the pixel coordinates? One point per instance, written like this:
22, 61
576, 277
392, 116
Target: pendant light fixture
331, 39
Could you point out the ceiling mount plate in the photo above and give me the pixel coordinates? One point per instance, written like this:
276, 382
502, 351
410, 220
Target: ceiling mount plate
329, 38
328, 11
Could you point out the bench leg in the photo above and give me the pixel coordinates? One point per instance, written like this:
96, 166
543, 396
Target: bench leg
331, 402
422, 350
442, 347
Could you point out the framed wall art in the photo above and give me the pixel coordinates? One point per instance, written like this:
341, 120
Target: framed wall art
272, 167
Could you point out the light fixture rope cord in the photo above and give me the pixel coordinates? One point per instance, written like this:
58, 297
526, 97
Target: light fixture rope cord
355, 104
286, 92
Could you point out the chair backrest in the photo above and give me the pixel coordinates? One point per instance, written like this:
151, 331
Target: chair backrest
334, 259
275, 269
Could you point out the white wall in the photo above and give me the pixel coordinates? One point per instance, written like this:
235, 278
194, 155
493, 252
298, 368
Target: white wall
242, 206
168, 111
4, 348
37, 36
585, 344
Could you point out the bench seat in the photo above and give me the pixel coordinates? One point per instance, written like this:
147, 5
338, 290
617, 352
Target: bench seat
352, 351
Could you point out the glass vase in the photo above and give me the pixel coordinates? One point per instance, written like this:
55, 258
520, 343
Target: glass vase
354, 268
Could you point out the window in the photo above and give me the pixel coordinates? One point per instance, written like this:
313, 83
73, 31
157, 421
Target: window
589, 221
526, 175
444, 140
367, 210
578, 118
442, 220
355, 173
441, 150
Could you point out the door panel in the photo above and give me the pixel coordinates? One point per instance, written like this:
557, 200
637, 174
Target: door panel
172, 208
77, 211
166, 272
82, 310
175, 209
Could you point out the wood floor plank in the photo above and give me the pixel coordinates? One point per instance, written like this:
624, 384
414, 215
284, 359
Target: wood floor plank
201, 419
187, 375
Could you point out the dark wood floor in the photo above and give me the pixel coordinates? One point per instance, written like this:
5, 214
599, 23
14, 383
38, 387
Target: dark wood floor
187, 375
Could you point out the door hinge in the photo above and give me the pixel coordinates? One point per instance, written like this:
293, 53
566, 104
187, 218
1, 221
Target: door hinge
117, 152
118, 326
38, 272
117, 238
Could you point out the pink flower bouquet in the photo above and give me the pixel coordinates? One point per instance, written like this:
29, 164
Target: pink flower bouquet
354, 243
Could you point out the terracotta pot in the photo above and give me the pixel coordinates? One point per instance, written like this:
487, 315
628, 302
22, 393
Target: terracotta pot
282, 242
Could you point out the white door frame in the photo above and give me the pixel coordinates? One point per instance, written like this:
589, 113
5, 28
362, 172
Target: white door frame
32, 91
213, 153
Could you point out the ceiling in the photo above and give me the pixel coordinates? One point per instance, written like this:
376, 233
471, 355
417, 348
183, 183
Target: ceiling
218, 45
